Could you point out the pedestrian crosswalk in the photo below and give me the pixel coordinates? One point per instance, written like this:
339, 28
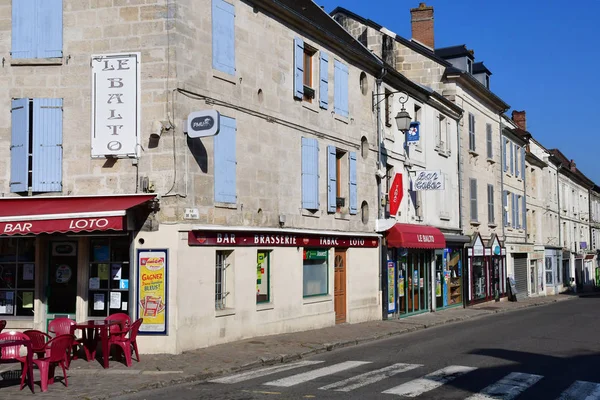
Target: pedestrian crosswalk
422, 381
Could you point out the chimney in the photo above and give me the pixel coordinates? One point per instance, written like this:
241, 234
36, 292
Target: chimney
421, 20
572, 166
520, 118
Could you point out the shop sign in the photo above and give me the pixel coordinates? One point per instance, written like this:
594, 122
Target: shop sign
63, 274
395, 195
413, 134
314, 255
276, 239
61, 225
152, 290
115, 105
203, 123
428, 180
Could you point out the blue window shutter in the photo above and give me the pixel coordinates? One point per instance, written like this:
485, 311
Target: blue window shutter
24, 29
523, 162
353, 184
310, 174
50, 32
47, 145
298, 68
323, 80
504, 207
225, 162
331, 178
340, 88
504, 156
524, 222
19, 146
223, 36
517, 173
512, 158
514, 214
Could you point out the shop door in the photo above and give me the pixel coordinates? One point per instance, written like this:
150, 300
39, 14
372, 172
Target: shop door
441, 291
521, 275
340, 286
61, 289
417, 288
532, 277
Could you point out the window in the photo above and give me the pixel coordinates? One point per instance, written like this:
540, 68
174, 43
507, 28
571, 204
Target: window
315, 273
310, 173
263, 276
471, 132
549, 271
364, 83
518, 217
36, 149
473, 197
307, 80
337, 173
17, 276
441, 139
223, 280
517, 152
488, 134
487, 81
490, 194
512, 157
225, 162
388, 108
340, 92
364, 212
109, 271
506, 143
37, 29
223, 36
364, 148
505, 214
469, 65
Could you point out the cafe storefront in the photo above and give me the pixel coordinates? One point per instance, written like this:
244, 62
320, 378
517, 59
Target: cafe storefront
67, 256
247, 282
485, 271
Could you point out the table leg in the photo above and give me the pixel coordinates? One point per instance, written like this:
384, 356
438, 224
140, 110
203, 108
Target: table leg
105, 346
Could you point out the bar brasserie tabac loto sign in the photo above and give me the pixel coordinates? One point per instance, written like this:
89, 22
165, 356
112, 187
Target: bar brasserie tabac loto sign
277, 239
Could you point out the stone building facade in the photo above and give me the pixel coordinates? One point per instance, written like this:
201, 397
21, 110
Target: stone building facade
267, 227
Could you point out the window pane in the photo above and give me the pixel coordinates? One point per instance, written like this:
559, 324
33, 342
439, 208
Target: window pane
262, 277
315, 274
97, 303
7, 302
8, 250
25, 303
26, 276
8, 275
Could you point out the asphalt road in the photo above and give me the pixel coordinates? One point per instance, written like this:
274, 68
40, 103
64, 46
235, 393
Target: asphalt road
549, 352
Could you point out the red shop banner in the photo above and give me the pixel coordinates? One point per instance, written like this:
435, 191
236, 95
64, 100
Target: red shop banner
62, 225
277, 239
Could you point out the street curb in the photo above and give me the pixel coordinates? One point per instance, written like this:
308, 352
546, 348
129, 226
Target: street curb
326, 347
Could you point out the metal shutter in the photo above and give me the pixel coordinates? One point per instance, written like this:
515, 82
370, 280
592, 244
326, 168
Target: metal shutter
520, 264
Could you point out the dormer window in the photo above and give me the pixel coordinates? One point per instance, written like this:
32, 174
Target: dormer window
487, 81
469, 65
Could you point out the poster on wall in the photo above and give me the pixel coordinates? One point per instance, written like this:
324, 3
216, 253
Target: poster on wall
391, 266
152, 290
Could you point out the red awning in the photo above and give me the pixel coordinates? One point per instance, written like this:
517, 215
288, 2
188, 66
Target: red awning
33, 215
415, 237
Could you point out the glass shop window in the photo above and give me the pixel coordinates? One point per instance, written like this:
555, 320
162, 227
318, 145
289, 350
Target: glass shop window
109, 270
17, 277
315, 277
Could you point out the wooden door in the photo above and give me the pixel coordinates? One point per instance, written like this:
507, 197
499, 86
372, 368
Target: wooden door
340, 286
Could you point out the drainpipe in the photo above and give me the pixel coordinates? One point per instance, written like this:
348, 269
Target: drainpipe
460, 213
502, 157
383, 276
525, 194
559, 267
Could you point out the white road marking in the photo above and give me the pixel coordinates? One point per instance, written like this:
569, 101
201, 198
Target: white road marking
317, 373
581, 390
507, 388
370, 377
244, 376
430, 381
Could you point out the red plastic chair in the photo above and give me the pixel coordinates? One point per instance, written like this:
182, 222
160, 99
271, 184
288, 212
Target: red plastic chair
128, 341
38, 341
121, 329
57, 351
12, 354
62, 326
2, 324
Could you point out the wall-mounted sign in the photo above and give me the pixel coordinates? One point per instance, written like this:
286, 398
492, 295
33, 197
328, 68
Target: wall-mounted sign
429, 180
277, 239
152, 290
203, 123
116, 105
314, 255
396, 194
413, 134
391, 266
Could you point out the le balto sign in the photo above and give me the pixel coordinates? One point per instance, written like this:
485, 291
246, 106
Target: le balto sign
277, 239
115, 105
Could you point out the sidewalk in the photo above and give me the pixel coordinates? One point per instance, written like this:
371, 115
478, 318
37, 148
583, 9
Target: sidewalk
90, 381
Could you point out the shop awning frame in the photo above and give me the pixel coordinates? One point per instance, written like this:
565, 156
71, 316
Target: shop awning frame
414, 236
62, 214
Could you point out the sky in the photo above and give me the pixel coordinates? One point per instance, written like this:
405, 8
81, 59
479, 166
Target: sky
543, 55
